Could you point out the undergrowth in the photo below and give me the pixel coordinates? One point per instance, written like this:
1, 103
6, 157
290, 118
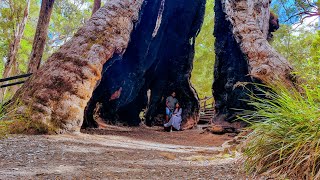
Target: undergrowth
285, 137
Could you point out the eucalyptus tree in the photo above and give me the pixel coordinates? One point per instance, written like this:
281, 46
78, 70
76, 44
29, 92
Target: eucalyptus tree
40, 35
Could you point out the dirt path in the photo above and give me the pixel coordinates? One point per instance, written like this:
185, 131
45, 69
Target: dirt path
119, 153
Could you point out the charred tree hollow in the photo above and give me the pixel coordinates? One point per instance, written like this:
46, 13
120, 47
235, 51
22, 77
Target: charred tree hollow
159, 58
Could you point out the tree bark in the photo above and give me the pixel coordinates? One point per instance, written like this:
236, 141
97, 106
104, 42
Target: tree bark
58, 92
250, 22
96, 6
243, 55
14, 46
159, 57
40, 36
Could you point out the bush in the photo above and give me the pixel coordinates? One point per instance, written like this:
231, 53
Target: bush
285, 137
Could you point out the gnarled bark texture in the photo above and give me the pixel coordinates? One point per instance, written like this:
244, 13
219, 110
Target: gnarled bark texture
159, 57
243, 54
250, 22
58, 92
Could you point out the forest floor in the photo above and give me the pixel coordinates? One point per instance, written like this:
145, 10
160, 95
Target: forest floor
120, 153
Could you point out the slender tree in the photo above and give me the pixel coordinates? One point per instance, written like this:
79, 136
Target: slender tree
11, 63
96, 6
15, 44
40, 35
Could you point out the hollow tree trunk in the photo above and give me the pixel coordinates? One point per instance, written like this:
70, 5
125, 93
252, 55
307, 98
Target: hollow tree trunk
58, 92
14, 46
243, 54
40, 36
96, 6
159, 57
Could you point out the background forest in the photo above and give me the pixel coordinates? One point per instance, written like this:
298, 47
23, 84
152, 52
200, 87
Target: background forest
298, 42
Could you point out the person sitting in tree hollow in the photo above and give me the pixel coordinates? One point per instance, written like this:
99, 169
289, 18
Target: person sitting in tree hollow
175, 120
171, 102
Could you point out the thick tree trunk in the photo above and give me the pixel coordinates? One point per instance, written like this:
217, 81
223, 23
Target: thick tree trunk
40, 36
250, 22
96, 6
243, 54
58, 92
159, 57
14, 47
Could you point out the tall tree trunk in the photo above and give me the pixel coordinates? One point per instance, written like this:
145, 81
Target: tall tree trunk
243, 54
40, 36
96, 6
58, 92
14, 46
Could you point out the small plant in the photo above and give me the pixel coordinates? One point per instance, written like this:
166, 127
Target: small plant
285, 137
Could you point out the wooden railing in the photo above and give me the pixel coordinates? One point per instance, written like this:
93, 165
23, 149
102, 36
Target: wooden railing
13, 78
206, 103
206, 110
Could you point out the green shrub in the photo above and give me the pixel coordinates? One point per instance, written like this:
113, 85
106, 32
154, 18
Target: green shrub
285, 135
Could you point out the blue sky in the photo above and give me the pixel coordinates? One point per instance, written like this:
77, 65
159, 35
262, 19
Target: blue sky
285, 9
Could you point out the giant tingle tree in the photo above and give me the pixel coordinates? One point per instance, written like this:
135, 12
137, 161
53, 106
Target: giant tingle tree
159, 57
243, 55
136, 45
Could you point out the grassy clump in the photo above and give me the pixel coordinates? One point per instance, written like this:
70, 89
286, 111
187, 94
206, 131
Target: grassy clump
10, 123
22, 126
4, 125
3, 129
285, 137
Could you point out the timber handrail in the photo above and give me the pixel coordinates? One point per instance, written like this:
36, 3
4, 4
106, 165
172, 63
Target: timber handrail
206, 98
205, 105
13, 78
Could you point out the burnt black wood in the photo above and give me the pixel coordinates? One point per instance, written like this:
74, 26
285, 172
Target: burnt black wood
162, 63
230, 67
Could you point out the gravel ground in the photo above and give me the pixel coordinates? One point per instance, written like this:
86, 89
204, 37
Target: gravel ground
120, 154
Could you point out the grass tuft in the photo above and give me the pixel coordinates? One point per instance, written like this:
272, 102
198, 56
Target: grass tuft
13, 123
285, 136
